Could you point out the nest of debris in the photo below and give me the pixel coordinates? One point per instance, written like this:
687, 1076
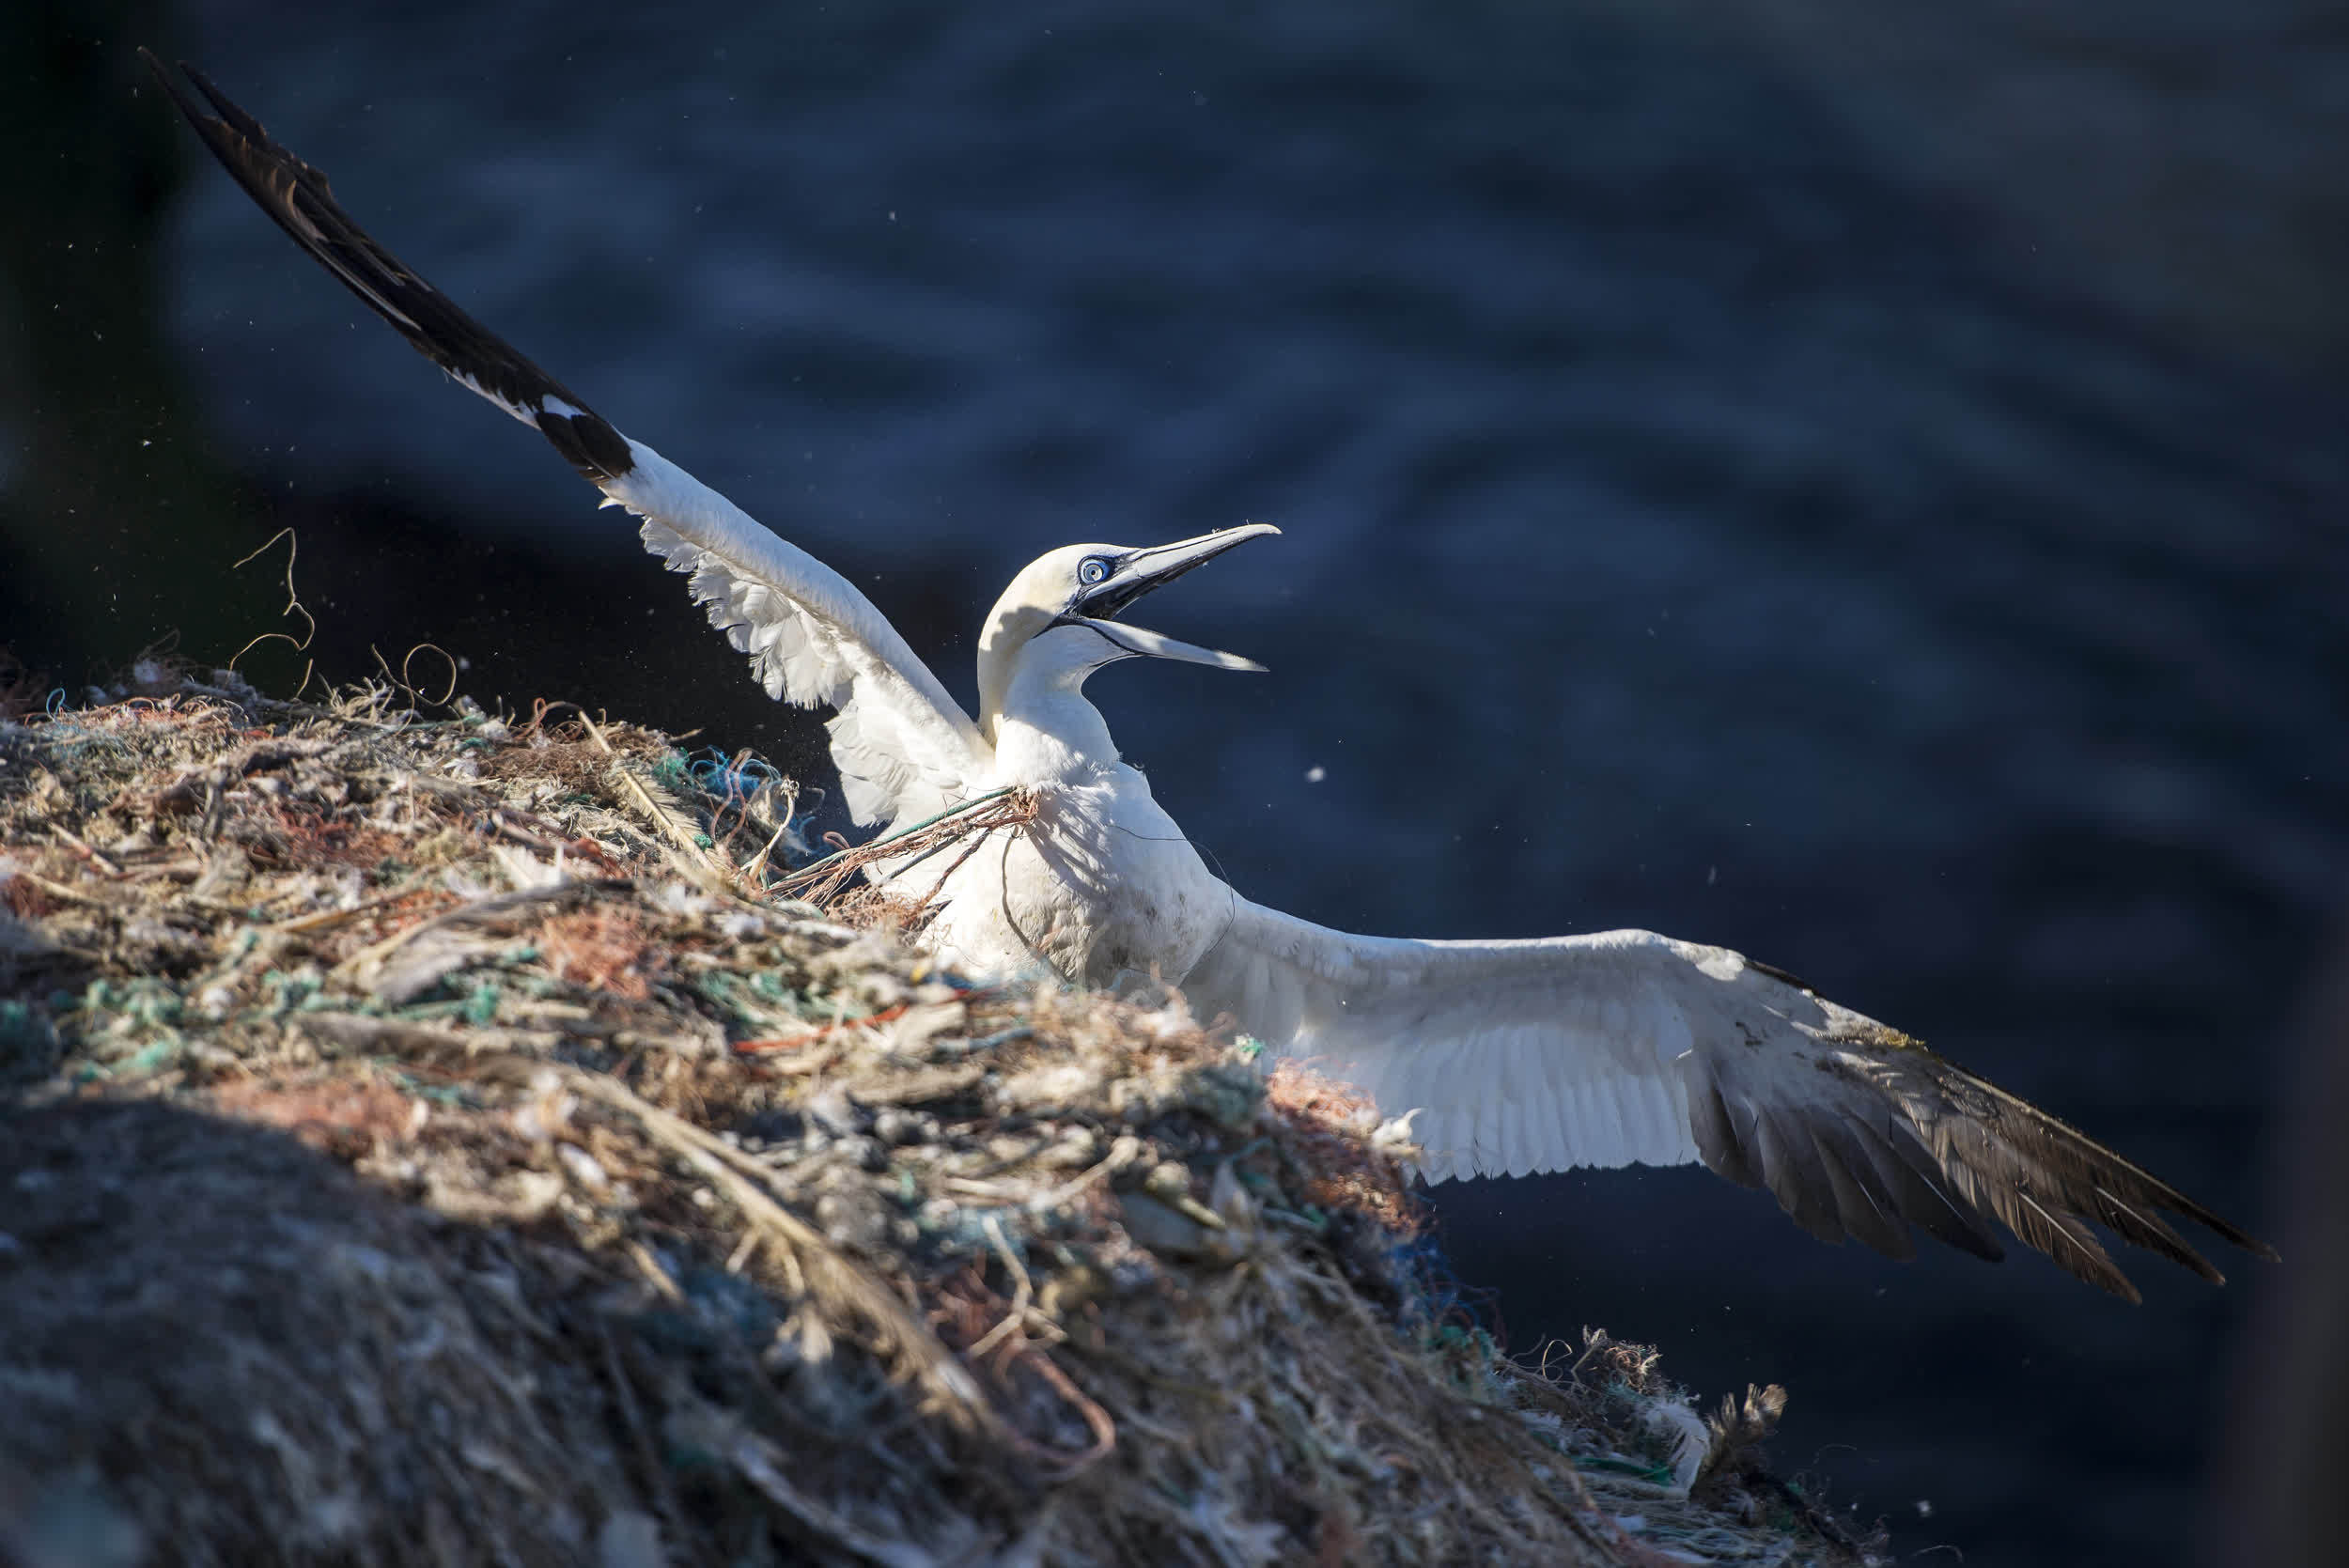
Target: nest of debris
449, 1141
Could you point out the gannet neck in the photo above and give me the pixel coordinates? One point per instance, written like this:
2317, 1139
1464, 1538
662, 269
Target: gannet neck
1045, 730
1011, 626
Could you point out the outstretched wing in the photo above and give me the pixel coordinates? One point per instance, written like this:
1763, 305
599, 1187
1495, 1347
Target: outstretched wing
905, 748
1624, 1046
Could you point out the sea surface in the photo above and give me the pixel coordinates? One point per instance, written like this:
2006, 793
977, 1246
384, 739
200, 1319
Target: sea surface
1862, 484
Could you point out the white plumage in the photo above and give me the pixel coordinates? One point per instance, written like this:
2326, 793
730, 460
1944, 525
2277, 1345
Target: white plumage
903, 747
1614, 1048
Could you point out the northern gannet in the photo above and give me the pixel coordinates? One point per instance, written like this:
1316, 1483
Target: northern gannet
1518, 1056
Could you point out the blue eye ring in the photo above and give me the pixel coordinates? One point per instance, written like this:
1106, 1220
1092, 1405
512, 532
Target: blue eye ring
1093, 571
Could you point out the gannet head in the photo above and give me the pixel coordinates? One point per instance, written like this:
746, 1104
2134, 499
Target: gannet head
1061, 611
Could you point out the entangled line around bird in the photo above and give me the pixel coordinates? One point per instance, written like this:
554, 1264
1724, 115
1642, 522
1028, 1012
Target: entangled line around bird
823, 880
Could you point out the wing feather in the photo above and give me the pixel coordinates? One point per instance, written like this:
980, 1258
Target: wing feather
2148, 1230
1862, 1203
1626, 1046
1719, 1143
1796, 1176
904, 747
1925, 1198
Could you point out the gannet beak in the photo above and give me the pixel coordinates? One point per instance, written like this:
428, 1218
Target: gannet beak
1140, 572
1152, 645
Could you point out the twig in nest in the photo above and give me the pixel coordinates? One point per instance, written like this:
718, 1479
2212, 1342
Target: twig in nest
1023, 1313
335, 917
700, 860
366, 965
759, 1048
834, 1281
1023, 1293
922, 912
982, 815
58, 890
1123, 1153
1096, 1419
81, 847
293, 607
401, 681
756, 866
658, 1277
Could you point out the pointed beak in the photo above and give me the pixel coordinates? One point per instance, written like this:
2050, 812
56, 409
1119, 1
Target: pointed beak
1151, 645
1143, 571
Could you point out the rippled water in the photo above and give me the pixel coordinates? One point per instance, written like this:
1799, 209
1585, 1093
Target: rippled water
1753, 482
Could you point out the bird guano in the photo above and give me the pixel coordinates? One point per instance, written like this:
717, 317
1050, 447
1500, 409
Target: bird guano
1605, 1050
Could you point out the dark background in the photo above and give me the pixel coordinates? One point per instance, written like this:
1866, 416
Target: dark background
1861, 481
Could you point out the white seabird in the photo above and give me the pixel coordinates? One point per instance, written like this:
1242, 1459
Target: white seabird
1606, 1050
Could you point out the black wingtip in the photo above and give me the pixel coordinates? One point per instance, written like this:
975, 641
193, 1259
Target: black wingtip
298, 199
225, 107
179, 92
163, 79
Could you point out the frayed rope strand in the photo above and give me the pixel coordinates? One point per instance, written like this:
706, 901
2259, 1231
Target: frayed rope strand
820, 880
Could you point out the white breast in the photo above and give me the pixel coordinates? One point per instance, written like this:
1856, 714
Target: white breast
1101, 885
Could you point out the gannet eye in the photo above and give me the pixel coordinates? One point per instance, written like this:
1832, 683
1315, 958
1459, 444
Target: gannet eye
1091, 570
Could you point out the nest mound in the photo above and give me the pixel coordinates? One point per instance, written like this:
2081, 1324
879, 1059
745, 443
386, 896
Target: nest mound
444, 1143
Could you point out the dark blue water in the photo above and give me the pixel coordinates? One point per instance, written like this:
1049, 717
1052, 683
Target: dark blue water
1859, 485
